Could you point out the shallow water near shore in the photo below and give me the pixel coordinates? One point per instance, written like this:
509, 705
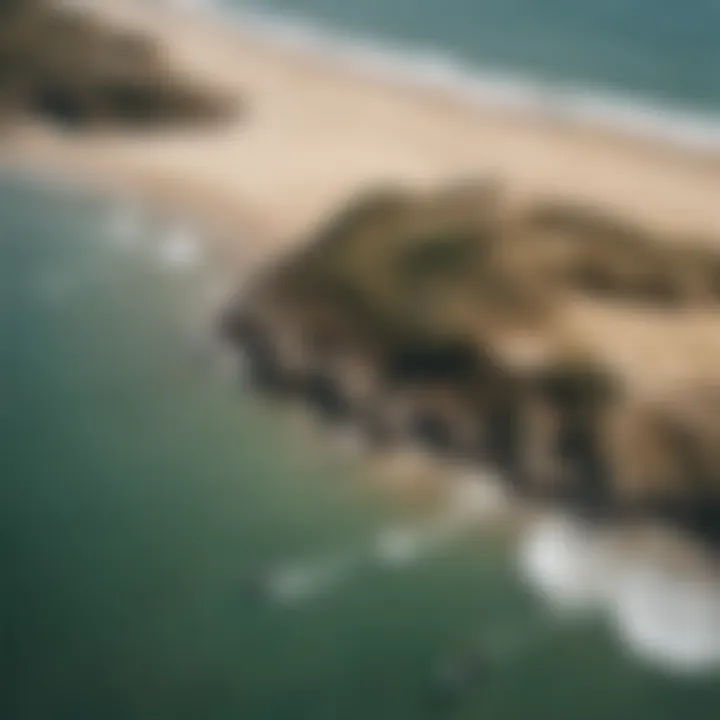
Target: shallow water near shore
174, 548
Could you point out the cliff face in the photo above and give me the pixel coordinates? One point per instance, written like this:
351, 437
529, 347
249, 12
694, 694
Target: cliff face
61, 65
542, 339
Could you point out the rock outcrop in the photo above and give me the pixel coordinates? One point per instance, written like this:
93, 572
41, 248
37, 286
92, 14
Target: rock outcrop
61, 65
543, 339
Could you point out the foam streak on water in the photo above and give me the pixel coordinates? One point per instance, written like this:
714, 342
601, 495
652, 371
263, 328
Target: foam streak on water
298, 581
394, 547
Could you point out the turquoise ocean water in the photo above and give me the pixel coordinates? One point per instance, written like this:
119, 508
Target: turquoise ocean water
140, 488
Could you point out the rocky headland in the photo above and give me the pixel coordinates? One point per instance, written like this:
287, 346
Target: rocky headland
62, 65
569, 349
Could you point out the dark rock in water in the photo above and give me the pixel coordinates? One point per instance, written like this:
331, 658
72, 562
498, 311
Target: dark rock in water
238, 327
241, 331
267, 376
702, 520
263, 365
324, 395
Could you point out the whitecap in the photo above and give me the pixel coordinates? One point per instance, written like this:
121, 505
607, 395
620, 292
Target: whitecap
670, 621
180, 247
566, 563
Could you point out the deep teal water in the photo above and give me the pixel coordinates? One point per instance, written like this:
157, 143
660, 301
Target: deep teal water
138, 489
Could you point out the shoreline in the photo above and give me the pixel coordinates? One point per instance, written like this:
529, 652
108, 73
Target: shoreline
599, 108
317, 132
620, 112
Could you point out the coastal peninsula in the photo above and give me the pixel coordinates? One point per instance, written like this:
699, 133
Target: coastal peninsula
572, 352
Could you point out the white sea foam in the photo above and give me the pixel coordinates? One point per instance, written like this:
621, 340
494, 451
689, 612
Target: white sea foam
669, 620
429, 67
180, 247
394, 547
565, 563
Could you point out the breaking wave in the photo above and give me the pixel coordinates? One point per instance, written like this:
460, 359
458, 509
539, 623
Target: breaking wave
669, 619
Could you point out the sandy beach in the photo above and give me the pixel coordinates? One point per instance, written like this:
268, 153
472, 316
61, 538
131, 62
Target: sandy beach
317, 131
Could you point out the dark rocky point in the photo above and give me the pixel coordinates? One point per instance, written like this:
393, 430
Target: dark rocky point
435, 296
63, 66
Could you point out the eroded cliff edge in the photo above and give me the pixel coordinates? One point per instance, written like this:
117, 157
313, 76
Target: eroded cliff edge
572, 351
